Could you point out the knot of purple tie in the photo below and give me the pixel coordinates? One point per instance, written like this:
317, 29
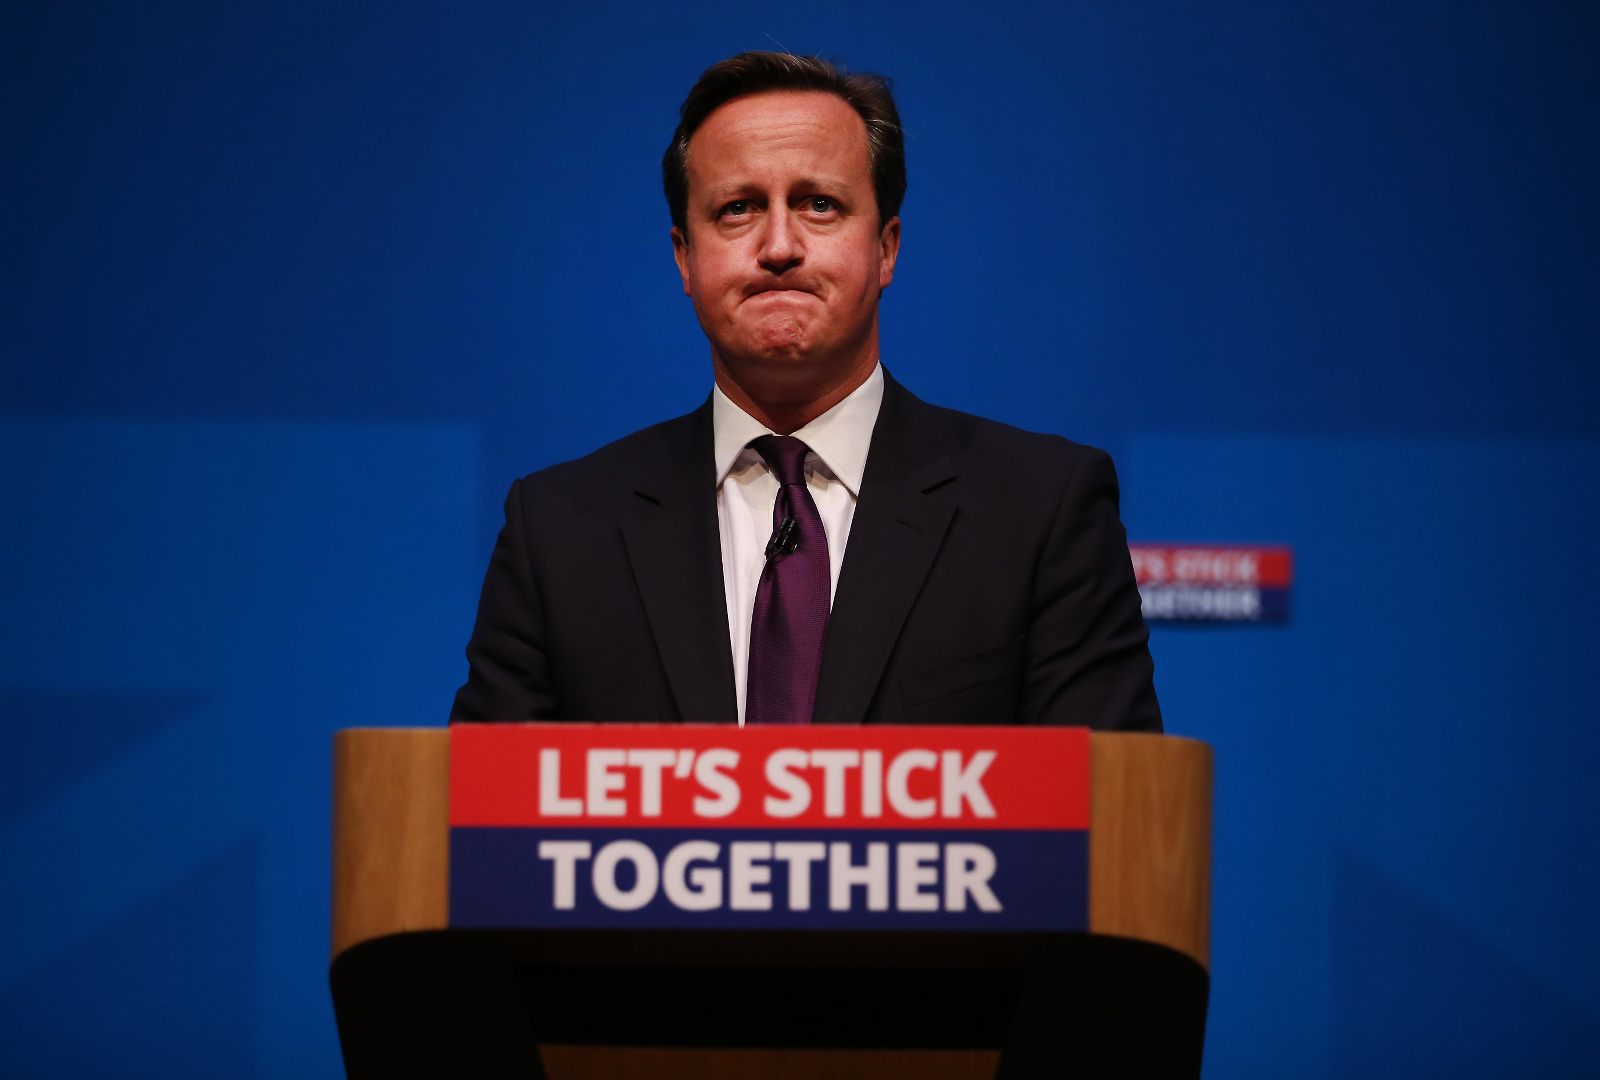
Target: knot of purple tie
790, 621
785, 455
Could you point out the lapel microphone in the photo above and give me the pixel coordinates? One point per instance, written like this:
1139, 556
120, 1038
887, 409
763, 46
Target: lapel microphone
785, 538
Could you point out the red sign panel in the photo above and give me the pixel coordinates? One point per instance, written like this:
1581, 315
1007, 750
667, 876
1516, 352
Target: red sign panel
773, 776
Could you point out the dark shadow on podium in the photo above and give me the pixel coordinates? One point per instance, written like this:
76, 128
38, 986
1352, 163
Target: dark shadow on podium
481, 1003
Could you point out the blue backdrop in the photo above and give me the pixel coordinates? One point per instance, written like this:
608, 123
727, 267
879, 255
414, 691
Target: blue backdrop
290, 292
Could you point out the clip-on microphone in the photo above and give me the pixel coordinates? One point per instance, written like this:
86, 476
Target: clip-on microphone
785, 538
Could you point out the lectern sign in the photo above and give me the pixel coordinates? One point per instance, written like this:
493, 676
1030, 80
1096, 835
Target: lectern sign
588, 825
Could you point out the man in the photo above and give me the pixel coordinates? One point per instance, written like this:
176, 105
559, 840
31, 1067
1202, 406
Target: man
813, 544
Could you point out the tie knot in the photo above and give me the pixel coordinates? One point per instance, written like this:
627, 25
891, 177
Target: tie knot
785, 455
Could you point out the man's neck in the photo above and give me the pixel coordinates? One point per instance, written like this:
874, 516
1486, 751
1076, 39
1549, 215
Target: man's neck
788, 416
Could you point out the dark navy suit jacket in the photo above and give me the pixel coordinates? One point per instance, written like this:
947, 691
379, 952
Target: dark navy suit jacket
986, 581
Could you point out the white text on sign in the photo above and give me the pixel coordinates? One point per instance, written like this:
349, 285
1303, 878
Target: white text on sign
914, 784
695, 877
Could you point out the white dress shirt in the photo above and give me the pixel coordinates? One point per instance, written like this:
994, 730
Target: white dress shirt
746, 491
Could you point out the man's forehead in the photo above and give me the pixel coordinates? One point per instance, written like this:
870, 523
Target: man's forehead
784, 109
779, 126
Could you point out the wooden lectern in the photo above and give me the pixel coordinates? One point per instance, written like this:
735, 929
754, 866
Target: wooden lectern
415, 998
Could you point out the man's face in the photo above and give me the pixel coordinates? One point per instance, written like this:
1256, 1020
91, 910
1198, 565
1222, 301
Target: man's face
784, 256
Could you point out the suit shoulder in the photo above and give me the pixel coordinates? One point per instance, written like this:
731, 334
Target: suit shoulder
616, 461
983, 440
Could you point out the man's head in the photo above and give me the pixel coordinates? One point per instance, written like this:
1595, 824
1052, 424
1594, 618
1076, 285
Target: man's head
784, 180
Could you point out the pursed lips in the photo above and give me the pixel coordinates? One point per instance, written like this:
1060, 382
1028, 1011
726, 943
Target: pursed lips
776, 292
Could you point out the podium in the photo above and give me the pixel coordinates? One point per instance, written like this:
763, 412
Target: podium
417, 998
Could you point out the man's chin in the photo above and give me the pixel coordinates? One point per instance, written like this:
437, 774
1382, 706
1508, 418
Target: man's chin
779, 341
784, 373
777, 356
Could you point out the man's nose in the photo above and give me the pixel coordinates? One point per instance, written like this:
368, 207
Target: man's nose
782, 248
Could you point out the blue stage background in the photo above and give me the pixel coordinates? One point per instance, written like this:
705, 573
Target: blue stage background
290, 292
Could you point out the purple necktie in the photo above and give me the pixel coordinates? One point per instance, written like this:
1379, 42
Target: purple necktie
791, 613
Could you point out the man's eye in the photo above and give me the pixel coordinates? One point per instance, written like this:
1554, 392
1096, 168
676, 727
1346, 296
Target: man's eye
820, 205
736, 208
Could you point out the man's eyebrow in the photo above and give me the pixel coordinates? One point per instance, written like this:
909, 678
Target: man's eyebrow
733, 191
835, 182
741, 190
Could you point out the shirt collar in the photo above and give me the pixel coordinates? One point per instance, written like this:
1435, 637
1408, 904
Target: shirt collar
841, 436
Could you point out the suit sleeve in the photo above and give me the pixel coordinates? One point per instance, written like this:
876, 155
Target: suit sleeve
508, 674
1088, 659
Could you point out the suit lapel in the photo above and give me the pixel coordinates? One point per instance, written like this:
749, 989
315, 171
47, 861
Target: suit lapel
907, 503
675, 550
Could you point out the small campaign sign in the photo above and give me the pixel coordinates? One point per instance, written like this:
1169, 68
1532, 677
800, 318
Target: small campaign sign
1213, 583
781, 827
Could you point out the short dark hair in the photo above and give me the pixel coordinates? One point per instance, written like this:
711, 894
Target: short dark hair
754, 72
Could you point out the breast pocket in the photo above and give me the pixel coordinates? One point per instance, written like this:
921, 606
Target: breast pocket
984, 687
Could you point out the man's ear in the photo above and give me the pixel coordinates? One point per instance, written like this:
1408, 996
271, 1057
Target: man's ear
680, 252
889, 242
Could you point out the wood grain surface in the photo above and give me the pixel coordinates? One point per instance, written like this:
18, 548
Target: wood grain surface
391, 832
1150, 840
